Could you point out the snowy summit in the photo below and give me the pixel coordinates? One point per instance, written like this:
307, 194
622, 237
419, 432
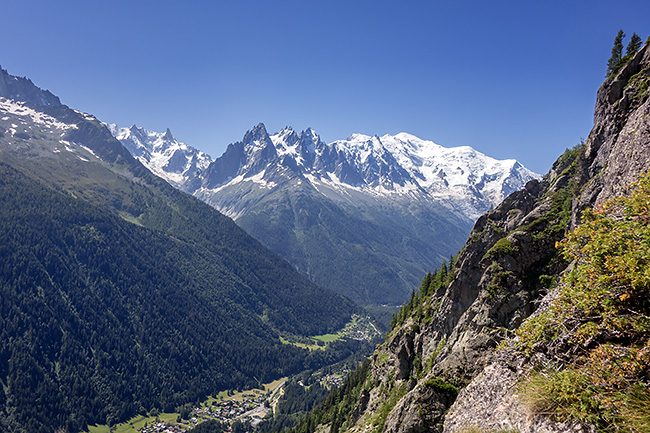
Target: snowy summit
402, 164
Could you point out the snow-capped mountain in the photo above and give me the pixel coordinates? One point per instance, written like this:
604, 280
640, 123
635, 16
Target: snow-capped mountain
167, 157
473, 181
402, 164
366, 216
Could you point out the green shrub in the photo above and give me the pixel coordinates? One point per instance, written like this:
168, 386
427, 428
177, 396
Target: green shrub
442, 387
395, 395
599, 326
503, 247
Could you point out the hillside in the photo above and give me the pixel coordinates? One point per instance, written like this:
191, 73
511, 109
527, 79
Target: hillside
121, 294
380, 211
573, 353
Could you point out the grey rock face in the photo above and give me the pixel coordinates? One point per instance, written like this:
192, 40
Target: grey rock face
491, 402
22, 89
420, 411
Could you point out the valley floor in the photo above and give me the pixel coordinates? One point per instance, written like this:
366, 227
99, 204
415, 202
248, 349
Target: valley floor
249, 406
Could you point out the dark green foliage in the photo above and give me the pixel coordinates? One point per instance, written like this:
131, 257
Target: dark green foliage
184, 411
503, 247
102, 319
300, 398
441, 387
240, 426
547, 281
617, 60
614, 62
632, 47
569, 156
211, 426
338, 404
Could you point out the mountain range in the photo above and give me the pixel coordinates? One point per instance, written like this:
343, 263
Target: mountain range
365, 216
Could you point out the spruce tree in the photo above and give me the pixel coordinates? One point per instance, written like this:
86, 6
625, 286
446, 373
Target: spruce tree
632, 47
615, 61
426, 282
443, 270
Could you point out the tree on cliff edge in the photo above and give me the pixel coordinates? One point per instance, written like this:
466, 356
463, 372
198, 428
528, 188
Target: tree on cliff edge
615, 61
632, 47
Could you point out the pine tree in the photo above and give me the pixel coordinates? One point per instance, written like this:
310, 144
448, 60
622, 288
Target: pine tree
632, 47
424, 285
615, 61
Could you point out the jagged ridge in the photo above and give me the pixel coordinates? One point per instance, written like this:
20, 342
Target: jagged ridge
389, 164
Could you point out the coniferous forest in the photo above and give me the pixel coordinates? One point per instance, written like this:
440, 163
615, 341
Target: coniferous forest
102, 321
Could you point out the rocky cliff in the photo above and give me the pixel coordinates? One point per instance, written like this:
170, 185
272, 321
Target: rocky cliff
508, 267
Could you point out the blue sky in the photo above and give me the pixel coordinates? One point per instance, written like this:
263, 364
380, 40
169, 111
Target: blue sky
513, 79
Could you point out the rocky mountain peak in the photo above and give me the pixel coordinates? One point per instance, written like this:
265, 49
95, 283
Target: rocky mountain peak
285, 139
309, 131
363, 161
310, 141
22, 89
372, 192
168, 135
257, 136
170, 159
138, 134
466, 180
295, 150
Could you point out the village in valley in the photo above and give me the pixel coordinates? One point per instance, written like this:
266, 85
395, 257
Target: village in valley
247, 408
